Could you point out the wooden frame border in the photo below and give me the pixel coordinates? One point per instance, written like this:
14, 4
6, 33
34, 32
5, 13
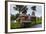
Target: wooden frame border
6, 16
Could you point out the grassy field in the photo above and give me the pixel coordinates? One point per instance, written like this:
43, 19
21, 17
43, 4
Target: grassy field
17, 25
39, 21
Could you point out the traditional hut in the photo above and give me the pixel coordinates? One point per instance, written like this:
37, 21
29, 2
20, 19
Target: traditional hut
27, 20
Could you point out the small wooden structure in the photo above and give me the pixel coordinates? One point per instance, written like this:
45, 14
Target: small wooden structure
26, 20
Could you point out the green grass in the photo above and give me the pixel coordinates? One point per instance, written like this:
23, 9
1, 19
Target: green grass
39, 21
15, 25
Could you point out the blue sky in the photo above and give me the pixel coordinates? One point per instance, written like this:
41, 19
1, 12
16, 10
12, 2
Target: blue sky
38, 11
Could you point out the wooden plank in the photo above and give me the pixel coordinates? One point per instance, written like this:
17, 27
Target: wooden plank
26, 21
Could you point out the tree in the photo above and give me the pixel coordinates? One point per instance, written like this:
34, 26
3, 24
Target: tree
17, 15
33, 19
12, 17
20, 8
34, 9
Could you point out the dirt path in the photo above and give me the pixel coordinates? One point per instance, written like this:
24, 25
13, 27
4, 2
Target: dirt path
37, 26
